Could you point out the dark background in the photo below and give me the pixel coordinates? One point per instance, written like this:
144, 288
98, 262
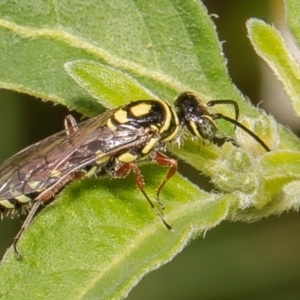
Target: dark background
234, 260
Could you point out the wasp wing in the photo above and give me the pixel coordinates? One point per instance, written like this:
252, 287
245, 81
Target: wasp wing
43, 164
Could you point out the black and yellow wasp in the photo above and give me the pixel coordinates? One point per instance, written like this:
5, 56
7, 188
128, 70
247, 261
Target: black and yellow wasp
114, 141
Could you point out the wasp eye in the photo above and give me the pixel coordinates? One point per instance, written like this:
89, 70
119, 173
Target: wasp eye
203, 127
207, 128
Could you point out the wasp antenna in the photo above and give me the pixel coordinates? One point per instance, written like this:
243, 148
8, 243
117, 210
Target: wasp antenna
230, 102
246, 129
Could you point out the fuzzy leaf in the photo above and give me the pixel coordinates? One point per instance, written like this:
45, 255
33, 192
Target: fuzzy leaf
112, 87
100, 236
270, 46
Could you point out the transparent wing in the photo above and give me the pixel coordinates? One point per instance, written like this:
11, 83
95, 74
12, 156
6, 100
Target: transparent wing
41, 165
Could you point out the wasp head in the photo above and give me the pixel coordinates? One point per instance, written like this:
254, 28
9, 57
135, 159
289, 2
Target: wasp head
194, 114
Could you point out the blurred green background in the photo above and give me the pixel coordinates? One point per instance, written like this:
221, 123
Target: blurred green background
234, 260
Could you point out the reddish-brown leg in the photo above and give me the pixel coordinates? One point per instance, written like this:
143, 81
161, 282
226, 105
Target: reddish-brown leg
124, 170
165, 161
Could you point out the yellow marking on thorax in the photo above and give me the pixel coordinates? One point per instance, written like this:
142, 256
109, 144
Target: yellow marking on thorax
110, 125
140, 109
6, 203
127, 157
150, 145
101, 158
173, 116
168, 116
155, 128
121, 116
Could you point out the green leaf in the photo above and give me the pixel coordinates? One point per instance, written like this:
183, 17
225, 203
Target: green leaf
112, 87
280, 168
166, 59
100, 237
292, 9
270, 46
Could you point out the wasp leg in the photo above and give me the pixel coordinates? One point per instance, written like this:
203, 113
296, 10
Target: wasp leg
70, 125
45, 196
124, 170
27, 221
165, 161
220, 141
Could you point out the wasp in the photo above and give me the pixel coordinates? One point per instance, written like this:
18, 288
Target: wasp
114, 141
